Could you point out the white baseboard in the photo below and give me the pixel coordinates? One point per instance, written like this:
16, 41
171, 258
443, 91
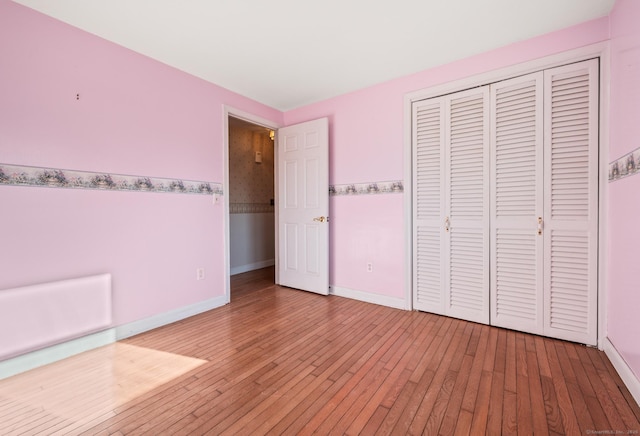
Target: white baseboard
155, 321
61, 351
626, 374
367, 297
250, 267
51, 354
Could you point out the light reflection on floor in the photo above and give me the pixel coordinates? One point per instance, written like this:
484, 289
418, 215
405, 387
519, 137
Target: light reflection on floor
81, 391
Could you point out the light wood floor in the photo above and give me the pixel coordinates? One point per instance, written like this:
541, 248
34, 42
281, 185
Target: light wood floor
281, 361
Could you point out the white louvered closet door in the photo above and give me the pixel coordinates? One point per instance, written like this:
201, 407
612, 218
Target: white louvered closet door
517, 203
466, 245
428, 205
451, 202
571, 202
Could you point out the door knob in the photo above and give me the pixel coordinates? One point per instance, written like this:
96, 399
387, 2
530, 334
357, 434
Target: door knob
321, 219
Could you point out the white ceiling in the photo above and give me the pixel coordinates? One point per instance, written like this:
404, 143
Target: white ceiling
288, 53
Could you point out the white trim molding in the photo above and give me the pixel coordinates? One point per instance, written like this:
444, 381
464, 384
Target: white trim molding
626, 373
162, 319
368, 297
229, 111
70, 348
252, 266
45, 356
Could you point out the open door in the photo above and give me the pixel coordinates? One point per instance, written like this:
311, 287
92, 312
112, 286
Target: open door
303, 206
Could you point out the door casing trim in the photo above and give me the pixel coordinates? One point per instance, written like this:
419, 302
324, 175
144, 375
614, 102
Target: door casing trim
230, 111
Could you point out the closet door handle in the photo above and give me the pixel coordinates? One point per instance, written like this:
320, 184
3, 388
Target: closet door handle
447, 224
539, 225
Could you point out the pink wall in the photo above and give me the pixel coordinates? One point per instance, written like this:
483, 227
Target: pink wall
135, 116
623, 301
366, 145
358, 238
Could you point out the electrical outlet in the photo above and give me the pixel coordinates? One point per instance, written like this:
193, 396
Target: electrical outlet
200, 274
369, 267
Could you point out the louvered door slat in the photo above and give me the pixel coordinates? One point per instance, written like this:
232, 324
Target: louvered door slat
516, 202
428, 205
467, 175
571, 210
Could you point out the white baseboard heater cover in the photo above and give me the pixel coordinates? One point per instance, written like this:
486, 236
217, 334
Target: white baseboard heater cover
38, 316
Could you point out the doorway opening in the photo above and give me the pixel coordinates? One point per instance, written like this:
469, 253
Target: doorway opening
251, 214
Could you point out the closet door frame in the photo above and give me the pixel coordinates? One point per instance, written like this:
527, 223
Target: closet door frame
599, 50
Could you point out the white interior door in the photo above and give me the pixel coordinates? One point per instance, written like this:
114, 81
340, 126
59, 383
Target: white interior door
571, 202
429, 205
467, 212
451, 205
517, 203
303, 206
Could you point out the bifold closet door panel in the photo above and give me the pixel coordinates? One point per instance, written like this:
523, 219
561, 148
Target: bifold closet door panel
571, 202
467, 205
505, 206
428, 205
451, 205
517, 203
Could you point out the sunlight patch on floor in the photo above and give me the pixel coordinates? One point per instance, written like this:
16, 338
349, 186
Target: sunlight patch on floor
85, 389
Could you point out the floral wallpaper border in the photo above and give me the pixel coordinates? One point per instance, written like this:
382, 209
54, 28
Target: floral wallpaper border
389, 187
627, 165
19, 175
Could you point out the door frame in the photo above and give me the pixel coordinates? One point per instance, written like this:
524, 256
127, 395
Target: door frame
600, 51
230, 111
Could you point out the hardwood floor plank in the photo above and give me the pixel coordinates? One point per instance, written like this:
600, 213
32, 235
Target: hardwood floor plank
436, 411
496, 404
374, 423
455, 401
551, 406
523, 399
393, 415
627, 408
332, 407
509, 414
246, 419
538, 412
281, 361
541, 352
388, 392
494, 422
463, 426
424, 374
431, 413
600, 420
577, 397
569, 420
338, 372
473, 384
352, 405
399, 373
601, 393
510, 370
481, 410
296, 426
